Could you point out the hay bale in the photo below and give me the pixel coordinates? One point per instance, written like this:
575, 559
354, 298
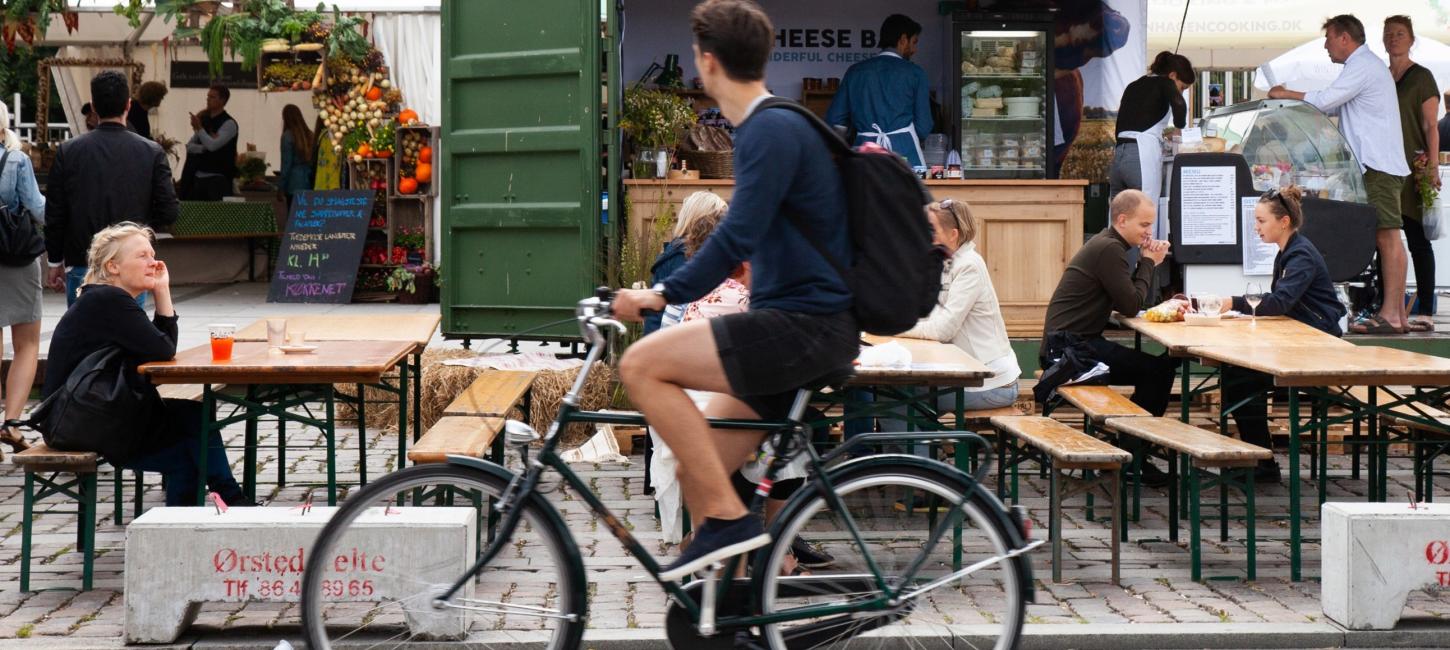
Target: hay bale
443, 383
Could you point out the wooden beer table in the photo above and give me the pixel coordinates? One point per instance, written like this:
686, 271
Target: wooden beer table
1322, 371
276, 382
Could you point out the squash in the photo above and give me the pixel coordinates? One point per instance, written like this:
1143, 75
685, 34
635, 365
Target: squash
407, 116
425, 155
374, 94
407, 186
424, 173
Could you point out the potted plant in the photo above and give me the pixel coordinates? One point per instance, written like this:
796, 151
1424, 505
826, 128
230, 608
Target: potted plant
250, 170
655, 119
403, 283
413, 241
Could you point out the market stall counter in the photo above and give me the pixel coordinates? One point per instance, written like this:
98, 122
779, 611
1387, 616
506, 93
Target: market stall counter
252, 222
1028, 230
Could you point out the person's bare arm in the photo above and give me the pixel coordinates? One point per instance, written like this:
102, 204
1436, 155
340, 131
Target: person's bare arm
1429, 125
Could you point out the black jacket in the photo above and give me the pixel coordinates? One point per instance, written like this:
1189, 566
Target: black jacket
101, 178
106, 315
1301, 289
138, 121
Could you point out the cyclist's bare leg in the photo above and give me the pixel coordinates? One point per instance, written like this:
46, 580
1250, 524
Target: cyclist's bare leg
656, 370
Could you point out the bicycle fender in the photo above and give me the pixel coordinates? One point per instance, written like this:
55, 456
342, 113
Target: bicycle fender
549, 512
850, 469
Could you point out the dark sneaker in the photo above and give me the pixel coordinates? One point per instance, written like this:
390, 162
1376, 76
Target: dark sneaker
1152, 476
717, 540
808, 557
1267, 472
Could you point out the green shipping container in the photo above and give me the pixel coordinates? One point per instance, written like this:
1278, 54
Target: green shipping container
523, 173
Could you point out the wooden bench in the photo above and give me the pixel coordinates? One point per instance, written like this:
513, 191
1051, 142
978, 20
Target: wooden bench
457, 435
70, 474
1194, 449
494, 393
1426, 428
1098, 403
1062, 449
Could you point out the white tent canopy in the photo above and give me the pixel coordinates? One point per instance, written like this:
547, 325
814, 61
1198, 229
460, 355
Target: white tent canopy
1307, 67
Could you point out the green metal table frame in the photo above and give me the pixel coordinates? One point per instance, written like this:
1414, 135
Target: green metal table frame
278, 401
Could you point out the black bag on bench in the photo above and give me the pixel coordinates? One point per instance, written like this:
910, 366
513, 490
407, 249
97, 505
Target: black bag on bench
100, 408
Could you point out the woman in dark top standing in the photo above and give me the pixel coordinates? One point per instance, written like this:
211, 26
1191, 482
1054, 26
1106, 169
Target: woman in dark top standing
1419, 105
1149, 104
122, 266
1301, 290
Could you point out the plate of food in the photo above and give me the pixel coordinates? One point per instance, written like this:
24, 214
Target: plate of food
297, 349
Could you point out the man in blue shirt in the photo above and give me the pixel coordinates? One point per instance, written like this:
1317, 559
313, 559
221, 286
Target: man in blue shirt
799, 327
885, 99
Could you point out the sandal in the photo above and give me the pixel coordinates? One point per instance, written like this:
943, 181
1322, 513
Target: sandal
1421, 324
10, 435
1374, 325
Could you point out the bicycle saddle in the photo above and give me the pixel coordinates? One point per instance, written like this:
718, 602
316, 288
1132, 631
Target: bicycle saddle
835, 379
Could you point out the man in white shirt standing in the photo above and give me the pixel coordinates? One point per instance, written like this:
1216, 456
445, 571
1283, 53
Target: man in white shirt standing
1363, 96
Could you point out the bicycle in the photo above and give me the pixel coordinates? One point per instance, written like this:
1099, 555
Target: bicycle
528, 582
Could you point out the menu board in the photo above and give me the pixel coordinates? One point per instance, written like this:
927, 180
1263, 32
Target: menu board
1258, 256
322, 246
1210, 217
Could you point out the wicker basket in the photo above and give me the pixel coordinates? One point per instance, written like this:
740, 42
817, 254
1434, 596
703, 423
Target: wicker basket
712, 164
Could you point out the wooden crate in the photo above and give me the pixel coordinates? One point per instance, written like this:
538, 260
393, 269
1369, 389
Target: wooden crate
425, 190
314, 59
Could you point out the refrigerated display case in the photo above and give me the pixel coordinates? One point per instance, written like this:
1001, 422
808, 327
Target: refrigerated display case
1288, 141
1003, 119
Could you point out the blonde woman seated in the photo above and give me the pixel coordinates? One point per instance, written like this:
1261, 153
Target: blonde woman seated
967, 314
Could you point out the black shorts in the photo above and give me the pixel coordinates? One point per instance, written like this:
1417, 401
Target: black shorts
769, 354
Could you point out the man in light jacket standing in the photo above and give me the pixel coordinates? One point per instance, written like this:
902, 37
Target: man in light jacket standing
1364, 98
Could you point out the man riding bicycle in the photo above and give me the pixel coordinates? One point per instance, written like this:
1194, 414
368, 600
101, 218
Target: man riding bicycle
799, 327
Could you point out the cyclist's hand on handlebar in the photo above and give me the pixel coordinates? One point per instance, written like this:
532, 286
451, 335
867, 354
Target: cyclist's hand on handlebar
630, 303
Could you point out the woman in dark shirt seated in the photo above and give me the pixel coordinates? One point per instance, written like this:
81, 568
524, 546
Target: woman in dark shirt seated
122, 266
1301, 290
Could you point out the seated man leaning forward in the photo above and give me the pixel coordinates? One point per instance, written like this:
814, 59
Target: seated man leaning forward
799, 327
1098, 282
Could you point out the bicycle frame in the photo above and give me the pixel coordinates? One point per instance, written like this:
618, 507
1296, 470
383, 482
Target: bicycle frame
787, 432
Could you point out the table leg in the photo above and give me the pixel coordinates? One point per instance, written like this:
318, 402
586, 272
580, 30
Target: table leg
249, 464
1249, 522
330, 431
1375, 450
402, 403
1184, 391
1294, 509
1195, 541
208, 423
362, 434
418, 396
1172, 496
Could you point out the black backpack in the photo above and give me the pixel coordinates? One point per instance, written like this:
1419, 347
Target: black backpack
20, 240
102, 408
895, 274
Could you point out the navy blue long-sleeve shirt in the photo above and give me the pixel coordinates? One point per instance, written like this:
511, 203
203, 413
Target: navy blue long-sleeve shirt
1301, 289
782, 166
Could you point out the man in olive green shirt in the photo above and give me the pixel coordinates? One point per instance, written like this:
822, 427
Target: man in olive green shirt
1097, 282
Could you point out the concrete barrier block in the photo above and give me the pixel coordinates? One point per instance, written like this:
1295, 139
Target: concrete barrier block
1375, 554
178, 558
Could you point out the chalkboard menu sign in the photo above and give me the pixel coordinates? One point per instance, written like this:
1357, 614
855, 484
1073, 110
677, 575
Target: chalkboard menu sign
197, 74
322, 246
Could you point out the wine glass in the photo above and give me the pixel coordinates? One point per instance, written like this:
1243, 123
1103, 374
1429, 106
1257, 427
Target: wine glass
1254, 294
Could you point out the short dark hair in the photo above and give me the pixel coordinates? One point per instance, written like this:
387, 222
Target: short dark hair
737, 33
109, 93
86, 108
1345, 24
894, 27
222, 92
151, 93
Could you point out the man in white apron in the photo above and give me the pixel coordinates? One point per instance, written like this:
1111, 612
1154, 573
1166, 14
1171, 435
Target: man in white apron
884, 99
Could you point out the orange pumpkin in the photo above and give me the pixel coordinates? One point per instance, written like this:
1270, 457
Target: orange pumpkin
407, 186
382, 153
424, 172
425, 155
365, 150
407, 116
374, 94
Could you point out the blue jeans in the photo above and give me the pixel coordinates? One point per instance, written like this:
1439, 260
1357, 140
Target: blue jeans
76, 277
980, 400
176, 460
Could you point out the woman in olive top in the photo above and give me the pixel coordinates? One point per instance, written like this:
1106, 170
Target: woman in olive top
1419, 105
1301, 290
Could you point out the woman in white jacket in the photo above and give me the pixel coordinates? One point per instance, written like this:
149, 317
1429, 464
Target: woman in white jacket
967, 314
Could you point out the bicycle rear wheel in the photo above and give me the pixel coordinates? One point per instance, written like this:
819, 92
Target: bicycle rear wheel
366, 586
891, 507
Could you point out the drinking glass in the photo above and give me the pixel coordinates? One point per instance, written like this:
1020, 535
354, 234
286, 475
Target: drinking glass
222, 336
276, 332
1254, 294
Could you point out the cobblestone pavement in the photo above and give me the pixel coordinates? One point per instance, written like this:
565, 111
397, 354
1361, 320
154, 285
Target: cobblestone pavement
1155, 586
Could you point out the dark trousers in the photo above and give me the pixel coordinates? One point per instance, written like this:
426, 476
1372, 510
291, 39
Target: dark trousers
207, 188
1252, 419
1150, 376
1422, 256
174, 456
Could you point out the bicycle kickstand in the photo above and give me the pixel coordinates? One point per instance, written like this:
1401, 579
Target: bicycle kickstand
707, 600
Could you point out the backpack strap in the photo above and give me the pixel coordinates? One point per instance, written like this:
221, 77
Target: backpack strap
837, 146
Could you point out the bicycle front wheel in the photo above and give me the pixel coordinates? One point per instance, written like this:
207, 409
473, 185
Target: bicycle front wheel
367, 585
891, 506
